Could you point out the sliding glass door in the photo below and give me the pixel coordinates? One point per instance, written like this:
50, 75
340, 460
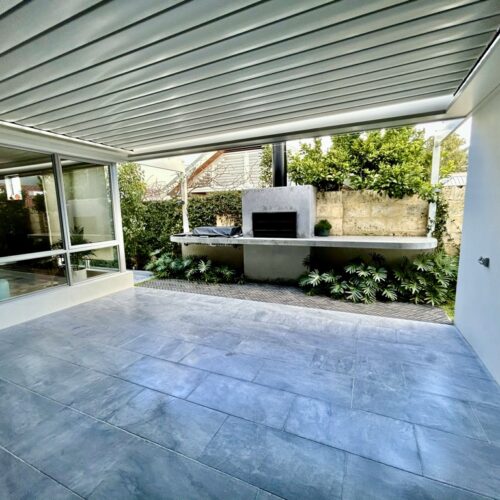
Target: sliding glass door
59, 222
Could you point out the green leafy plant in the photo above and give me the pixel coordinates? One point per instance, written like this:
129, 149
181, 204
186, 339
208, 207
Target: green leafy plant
427, 279
168, 265
322, 228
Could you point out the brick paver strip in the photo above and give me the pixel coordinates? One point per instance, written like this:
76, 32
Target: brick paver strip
290, 295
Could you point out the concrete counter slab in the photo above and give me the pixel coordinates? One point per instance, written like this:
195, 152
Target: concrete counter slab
379, 242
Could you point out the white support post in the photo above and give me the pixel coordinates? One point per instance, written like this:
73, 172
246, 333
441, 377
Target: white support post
184, 198
436, 164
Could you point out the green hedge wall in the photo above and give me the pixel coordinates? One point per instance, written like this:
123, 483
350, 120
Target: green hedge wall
164, 218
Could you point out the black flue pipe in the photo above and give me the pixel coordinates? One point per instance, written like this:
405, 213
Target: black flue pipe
279, 164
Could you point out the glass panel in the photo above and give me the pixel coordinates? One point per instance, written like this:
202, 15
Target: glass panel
22, 277
88, 202
29, 216
91, 263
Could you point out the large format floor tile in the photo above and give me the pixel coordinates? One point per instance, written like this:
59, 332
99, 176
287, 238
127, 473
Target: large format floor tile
422, 408
228, 363
468, 463
174, 423
373, 436
159, 346
73, 449
163, 376
279, 462
21, 411
244, 399
147, 471
154, 394
18, 480
368, 480
321, 384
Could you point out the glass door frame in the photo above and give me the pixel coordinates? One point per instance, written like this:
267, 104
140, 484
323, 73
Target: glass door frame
115, 210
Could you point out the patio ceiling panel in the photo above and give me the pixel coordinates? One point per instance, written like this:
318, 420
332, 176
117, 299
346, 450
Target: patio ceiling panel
292, 113
247, 111
302, 76
361, 48
169, 35
135, 75
248, 101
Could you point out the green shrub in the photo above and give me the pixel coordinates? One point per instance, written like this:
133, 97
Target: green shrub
395, 162
427, 279
168, 265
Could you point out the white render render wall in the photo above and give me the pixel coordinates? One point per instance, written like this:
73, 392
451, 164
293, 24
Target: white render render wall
478, 294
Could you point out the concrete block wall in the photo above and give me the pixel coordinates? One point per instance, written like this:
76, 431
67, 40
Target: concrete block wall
365, 213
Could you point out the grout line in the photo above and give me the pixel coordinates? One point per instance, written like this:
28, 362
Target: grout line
31, 466
344, 475
285, 421
474, 412
418, 448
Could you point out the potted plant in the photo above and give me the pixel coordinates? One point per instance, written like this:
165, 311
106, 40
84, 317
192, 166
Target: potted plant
322, 228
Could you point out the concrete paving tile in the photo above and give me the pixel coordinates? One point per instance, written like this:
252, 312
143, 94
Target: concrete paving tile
460, 461
431, 410
489, 417
281, 463
73, 449
164, 376
244, 399
228, 363
373, 436
174, 423
20, 411
19, 480
148, 471
369, 480
159, 346
321, 384
460, 387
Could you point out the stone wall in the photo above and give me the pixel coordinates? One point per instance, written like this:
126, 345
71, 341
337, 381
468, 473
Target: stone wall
359, 213
455, 196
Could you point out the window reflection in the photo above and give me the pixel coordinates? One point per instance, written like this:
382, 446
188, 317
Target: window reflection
88, 202
22, 277
92, 263
29, 217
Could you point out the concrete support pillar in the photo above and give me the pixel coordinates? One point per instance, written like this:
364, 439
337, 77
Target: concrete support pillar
184, 198
279, 164
436, 165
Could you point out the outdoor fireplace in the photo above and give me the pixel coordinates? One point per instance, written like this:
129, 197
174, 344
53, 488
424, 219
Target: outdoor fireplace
279, 212
274, 224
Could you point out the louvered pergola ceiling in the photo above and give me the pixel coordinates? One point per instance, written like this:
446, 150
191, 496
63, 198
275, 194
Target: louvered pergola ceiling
152, 74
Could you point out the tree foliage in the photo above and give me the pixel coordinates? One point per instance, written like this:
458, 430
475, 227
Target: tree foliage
148, 225
395, 162
454, 155
132, 192
266, 166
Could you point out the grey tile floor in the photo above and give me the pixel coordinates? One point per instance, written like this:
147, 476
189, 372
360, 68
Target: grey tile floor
159, 394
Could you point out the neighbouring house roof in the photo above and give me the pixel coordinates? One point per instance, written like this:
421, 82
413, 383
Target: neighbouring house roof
139, 78
456, 179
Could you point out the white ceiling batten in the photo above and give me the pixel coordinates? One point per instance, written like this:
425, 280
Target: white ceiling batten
159, 75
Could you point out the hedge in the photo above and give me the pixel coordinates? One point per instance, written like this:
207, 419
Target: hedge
161, 219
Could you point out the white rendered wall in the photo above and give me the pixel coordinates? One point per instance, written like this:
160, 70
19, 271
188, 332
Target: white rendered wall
478, 294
